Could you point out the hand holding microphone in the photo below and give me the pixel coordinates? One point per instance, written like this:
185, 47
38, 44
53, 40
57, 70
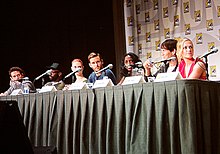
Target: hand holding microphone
148, 64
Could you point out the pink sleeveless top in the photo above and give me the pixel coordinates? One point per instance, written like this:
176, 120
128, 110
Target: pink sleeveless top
182, 68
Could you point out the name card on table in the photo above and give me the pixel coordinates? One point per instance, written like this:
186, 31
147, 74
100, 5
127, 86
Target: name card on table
17, 92
102, 83
168, 76
78, 86
133, 80
47, 89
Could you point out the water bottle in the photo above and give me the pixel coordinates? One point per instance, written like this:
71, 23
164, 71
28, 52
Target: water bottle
141, 71
134, 71
25, 86
137, 71
26, 89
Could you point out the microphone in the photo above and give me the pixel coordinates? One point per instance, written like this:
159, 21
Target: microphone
48, 72
213, 50
165, 60
109, 66
25, 78
139, 64
73, 72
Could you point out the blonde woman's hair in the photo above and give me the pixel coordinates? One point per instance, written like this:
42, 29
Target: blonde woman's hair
180, 47
77, 60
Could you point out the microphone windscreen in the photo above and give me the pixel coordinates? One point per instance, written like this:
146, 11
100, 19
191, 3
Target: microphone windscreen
48, 72
139, 64
110, 66
214, 50
77, 70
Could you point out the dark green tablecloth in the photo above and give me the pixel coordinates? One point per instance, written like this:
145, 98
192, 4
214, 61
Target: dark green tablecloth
175, 117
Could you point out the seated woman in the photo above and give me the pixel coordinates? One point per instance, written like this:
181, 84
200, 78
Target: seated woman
127, 65
168, 50
190, 67
79, 77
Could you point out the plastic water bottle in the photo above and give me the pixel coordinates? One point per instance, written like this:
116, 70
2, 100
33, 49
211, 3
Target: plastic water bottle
25, 86
134, 71
137, 71
26, 89
141, 71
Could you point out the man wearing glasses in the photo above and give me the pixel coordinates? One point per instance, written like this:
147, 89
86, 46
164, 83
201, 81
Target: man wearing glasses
96, 63
17, 75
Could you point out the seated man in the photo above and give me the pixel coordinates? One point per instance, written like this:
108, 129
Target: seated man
55, 77
17, 75
96, 63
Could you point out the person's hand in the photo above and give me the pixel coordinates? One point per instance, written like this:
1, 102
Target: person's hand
147, 66
15, 84
2, 94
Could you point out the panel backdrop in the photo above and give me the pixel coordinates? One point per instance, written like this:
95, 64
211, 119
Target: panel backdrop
150, 22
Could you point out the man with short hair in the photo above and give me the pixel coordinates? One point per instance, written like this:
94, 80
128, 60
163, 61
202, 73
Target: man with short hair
96, 63
17, 75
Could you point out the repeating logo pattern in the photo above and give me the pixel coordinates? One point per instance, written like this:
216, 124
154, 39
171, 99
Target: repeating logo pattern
150, 22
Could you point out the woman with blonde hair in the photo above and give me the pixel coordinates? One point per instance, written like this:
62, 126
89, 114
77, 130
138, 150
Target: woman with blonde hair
78, 64
189, 67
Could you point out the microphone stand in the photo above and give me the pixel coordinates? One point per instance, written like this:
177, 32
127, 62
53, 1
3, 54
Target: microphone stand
42, 82
73, 78
206, 66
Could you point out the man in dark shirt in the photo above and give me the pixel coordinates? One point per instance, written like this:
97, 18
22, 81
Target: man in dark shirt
96, 63
55, 77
